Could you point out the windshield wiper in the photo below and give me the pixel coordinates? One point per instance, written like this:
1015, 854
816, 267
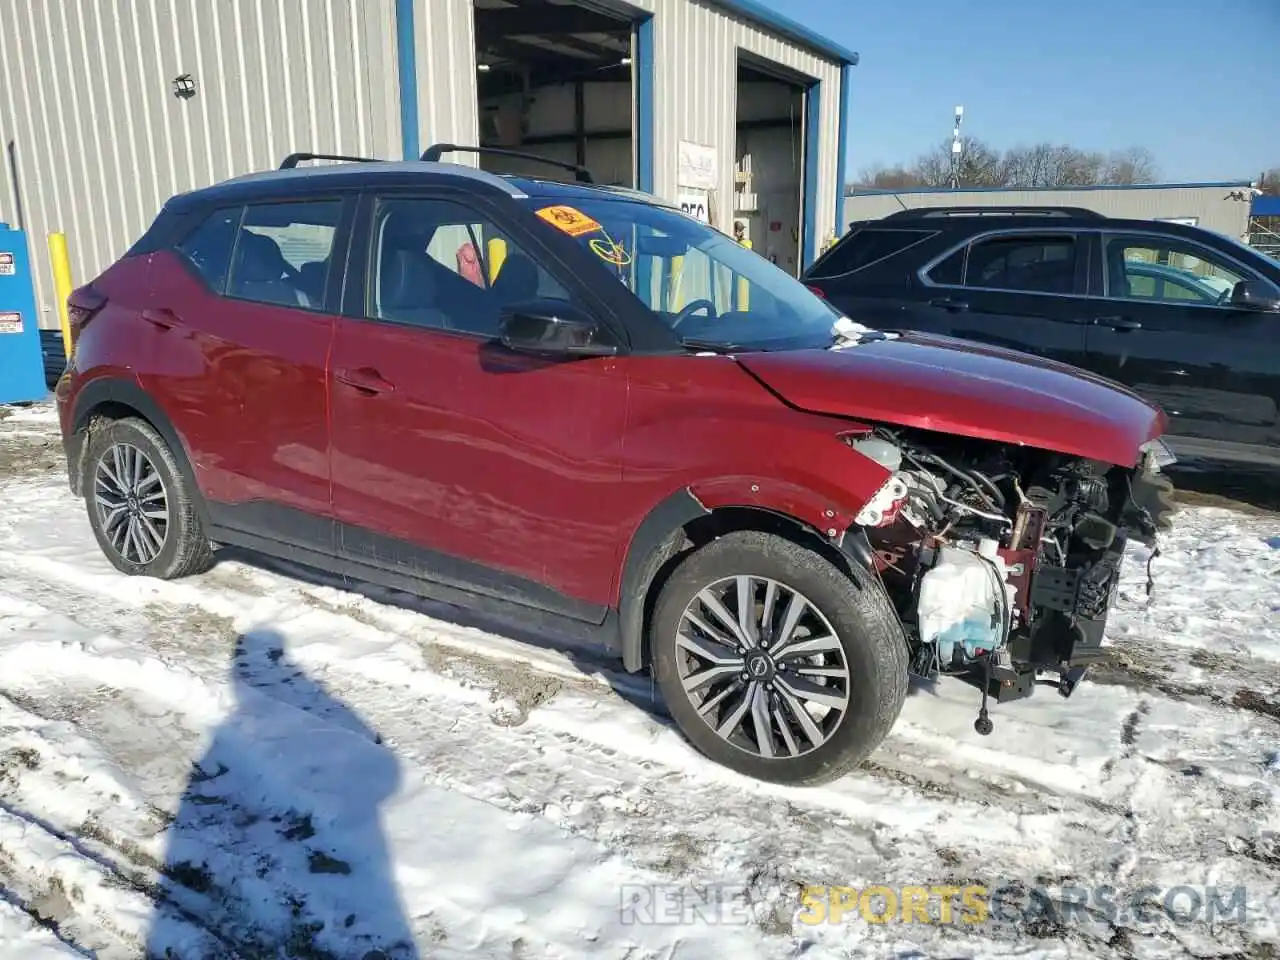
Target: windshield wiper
714, 346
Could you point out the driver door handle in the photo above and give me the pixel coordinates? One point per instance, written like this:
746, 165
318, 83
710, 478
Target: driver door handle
1118, 323
365, 379
946, 303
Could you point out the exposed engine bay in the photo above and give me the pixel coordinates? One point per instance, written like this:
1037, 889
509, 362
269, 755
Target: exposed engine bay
1003, 560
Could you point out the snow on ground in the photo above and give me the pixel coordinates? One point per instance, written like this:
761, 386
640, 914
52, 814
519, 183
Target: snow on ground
258, 762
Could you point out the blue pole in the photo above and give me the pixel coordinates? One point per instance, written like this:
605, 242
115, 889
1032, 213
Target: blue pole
407, 62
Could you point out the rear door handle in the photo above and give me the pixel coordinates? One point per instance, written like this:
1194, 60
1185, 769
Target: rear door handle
946, 303
161, 317
365, 379
1118, 323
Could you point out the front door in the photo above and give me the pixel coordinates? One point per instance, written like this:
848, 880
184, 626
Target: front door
1020, 290
454, 458
1166, 329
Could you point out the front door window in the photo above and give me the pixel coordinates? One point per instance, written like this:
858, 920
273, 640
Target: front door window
1165, 270
440, 264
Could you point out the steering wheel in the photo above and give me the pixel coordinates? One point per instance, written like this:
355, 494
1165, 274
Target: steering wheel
690, 308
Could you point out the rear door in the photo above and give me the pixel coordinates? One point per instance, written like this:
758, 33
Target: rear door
244, 308
1164, 326
453, 457
1021, 289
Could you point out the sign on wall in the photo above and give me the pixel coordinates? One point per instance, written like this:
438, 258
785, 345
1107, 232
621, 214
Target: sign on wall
694, 203
696, 166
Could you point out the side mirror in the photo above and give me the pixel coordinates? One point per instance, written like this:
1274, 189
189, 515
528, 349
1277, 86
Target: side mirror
1255, 296
553, 328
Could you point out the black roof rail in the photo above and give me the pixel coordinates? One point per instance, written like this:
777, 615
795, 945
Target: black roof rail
1026, 210
433, 153
293, 159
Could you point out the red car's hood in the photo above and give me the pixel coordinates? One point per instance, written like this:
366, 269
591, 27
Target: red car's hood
965, 388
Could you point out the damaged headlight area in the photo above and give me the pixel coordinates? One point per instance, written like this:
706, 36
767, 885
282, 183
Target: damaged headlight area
1003, 560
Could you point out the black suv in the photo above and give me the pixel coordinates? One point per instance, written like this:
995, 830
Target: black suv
1188, 318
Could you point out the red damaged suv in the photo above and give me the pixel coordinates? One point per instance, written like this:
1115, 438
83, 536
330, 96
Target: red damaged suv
572, 407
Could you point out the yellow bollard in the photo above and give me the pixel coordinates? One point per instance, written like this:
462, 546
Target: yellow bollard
497, 257
61, 284
744, 288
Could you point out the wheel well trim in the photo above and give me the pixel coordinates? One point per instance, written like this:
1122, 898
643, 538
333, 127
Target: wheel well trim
127, 393
660, 537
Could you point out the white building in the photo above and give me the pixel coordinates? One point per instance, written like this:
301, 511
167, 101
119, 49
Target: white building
109, 108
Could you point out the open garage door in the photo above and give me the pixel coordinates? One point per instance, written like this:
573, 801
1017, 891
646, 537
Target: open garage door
769, 177
555, 78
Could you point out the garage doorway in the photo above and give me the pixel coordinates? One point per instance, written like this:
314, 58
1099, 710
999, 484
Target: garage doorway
770, 162
556, 79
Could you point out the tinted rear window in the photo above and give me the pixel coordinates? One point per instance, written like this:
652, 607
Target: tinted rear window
867, 246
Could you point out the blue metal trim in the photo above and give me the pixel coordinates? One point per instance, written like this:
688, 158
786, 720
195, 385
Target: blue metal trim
1265, 207
786, 27
645, 123
813, 140
842, 145
407, 62
1223, 185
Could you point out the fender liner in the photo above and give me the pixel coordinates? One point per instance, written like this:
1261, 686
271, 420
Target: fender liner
127, 393
660, 537
657, 539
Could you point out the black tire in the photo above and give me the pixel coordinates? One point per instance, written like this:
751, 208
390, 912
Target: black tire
856, 608
185, 549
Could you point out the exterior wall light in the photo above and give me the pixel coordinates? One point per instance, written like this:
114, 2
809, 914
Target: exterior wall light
184, 87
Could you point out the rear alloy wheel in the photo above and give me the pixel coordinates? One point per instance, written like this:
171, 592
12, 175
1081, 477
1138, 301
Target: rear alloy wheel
776, 663
140, 505
132, 503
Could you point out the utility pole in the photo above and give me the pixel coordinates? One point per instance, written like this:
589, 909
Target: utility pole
955, 149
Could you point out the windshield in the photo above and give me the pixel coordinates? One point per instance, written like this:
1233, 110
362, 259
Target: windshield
703, 284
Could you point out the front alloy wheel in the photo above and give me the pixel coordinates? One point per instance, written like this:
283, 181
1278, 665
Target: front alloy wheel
762, 666
776, 661
132, 503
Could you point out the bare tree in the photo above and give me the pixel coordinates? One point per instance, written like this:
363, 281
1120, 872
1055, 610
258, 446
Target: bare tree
1039, 165
979, 165
889, 178
1269, 182
1134, 165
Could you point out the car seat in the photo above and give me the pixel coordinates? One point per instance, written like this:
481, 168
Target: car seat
407, 289
311, 281
261, 272
519, 280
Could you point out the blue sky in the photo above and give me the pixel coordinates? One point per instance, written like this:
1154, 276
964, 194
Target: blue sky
1197, 82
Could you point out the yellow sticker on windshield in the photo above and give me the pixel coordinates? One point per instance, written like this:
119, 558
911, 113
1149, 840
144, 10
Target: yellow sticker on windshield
610, 252
573, 222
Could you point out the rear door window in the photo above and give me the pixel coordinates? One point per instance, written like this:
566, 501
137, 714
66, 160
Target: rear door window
282, 253
1023, 263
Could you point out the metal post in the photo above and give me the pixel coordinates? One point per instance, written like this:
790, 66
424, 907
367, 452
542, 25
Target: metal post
955, 149
61, 262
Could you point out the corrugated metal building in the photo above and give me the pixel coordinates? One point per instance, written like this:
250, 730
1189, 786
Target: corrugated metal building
1223, 207
720, 104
